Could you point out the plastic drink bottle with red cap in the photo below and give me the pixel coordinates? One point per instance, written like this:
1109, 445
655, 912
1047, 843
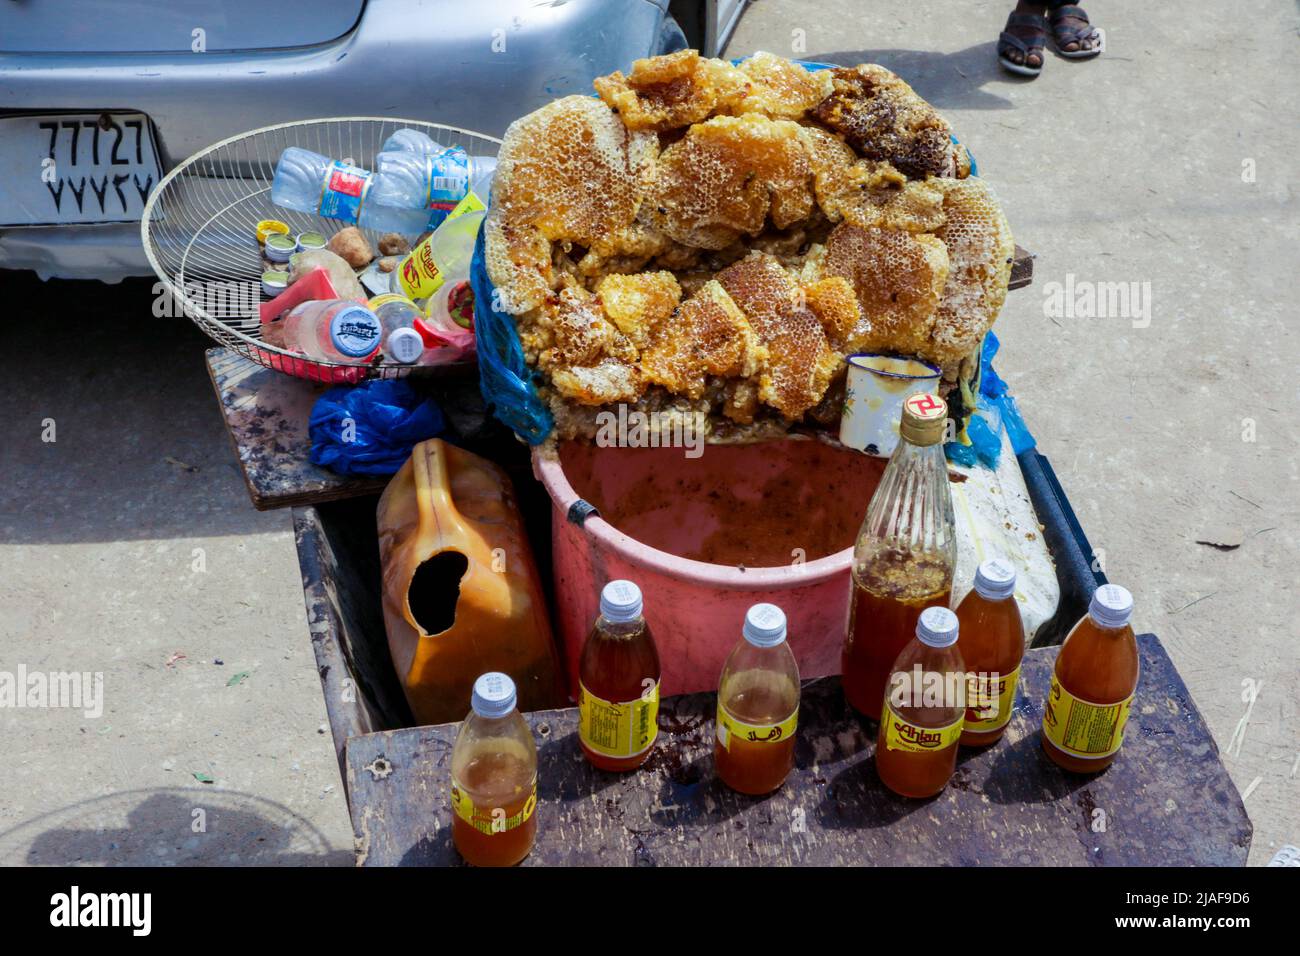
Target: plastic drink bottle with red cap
924, 709
1093, 683
904, 555
758, 706
494, 778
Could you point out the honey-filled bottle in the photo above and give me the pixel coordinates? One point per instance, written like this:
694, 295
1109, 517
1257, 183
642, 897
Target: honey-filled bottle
758, 706
1093, 683
992, 645
904, 556
924, 709
618, 683
494, 778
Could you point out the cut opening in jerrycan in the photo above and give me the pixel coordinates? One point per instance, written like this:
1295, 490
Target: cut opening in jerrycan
444, 508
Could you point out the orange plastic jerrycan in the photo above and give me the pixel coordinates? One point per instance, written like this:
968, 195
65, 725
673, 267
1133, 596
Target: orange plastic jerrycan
461, 593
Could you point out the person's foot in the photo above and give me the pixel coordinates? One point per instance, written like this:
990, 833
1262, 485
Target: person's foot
1020, 46
1074, 36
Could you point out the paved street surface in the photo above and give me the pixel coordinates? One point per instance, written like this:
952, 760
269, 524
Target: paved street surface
128, 545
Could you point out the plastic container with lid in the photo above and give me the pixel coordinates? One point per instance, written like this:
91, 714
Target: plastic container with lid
924, 709
1093, 684
279, 247
992, 645
618, 683
333, 330
758, 706
494, 778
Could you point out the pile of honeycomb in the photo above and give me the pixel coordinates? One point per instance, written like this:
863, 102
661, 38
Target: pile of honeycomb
714, 238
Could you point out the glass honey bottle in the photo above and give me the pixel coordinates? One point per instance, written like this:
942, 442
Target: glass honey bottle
758, 706
494, 778
904, 556
1093, 683
618, 683
992, 645
924, 709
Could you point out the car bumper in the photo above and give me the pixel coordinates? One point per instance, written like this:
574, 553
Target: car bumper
477, 72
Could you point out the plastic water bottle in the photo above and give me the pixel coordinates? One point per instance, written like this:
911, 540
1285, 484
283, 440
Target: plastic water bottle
446, 176
333, 330
311, 183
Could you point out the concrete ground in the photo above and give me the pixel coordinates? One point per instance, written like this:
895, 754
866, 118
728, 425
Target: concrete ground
128, 545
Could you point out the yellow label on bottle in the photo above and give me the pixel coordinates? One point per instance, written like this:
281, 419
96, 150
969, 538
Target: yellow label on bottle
1081, 728
618, 728
904, 735
729, 728
490, 820
989, 700
419, 274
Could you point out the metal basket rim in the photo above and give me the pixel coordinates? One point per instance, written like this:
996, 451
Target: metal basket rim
195, 312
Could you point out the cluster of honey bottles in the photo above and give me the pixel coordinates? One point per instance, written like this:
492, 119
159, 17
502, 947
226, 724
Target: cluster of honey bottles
494, 762
938, 680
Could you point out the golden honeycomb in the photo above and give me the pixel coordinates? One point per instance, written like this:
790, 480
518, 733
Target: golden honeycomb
707, 237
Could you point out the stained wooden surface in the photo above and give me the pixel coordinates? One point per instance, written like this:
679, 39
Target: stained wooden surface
1166, 801
266, 414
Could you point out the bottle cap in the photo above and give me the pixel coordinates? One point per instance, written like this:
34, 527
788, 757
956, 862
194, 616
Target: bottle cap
404, 345
620, 601
937, 627
764, 625
494, 695
267, 227
355, 331
1111, 606
923, 420
995, 579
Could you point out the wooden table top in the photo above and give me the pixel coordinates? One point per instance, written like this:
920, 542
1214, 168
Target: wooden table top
1166, 801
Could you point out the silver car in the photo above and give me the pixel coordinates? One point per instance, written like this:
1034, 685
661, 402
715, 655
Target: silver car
100, 98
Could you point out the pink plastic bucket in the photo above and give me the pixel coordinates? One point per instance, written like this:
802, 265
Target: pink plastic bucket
705, 538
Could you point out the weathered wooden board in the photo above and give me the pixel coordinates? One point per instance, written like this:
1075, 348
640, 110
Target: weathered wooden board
1166, 801
266, 414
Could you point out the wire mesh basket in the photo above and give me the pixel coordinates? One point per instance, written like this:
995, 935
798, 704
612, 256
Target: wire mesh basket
200, 230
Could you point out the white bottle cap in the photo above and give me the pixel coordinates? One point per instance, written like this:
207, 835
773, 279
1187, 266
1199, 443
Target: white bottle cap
937, 627
1111, 606
620, 601
764, 625
494, 695
995, 579
404, 345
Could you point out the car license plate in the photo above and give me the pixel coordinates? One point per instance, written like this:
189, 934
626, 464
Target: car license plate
76, 168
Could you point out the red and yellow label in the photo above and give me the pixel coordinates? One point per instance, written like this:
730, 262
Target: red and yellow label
990, 698
1081, 728
908, 737
490, 820
729, 729
618, 728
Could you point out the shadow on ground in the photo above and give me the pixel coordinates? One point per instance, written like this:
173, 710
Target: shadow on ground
166, 826
140, 450
948, 80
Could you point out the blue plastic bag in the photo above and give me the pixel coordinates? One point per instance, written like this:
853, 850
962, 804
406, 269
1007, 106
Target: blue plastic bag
370, 429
